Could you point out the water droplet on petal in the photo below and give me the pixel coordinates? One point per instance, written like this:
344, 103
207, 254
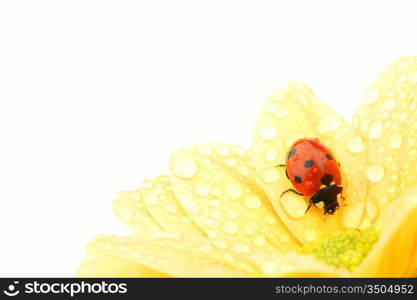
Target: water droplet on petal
230, 227
270, 219
364, 125
184, 168
395, 140
206, 248
355, 144
252, 202
220, 244
371, 95
243, 170
328, 123
239, 248
233, 190
412, 77
389, 104
271, 154
277, 96
294, 206
267, 133
375, 173
270, 175
259, 241
371, 210
270, 107
310, 235
250, 228
202, 189
281, 113
375, 130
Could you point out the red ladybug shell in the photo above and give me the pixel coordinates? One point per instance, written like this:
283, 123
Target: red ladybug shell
310, 163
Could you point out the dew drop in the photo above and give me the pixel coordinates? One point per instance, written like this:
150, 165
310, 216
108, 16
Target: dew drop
285, 238
239, 248
243, 170
230, 228
125, 215
395, 140
267, 133
229, 258
389, 104
206, 248
270, 175
375, 173
220, 244
270, 107
184, 168
364, 125
202, 189
281, 113
294, 206
277, 96
250, 228
412, 77
211, 233
230, 162
352, 214
271, 154
310, 235
259, 241
328, 123
375, 130
222, 150
232, 214
171, 209
233, 190
371, 210
204, 149
371, 95
215, 214
252, 202
270, 219
355, 144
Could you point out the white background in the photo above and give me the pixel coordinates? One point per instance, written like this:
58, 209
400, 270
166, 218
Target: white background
94, 95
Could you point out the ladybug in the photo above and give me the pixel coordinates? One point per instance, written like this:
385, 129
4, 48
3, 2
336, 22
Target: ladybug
314, 172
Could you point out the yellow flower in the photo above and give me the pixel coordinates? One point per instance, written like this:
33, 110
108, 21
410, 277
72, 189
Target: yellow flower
219, 213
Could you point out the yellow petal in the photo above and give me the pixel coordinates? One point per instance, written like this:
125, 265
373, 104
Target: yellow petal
293, 265
160, 254
216, 185
387, 120
130, 208
108, 264
162, 205
297, 113
394, 254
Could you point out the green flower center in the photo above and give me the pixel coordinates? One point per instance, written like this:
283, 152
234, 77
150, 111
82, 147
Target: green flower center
345, 250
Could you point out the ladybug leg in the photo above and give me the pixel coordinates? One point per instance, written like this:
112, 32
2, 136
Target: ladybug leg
280, 165
308, 207
291, 190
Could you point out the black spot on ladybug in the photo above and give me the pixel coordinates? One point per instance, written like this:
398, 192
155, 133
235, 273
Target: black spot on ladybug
308, 163
298, 179
291, 153
327, 179
329, 156
286, 174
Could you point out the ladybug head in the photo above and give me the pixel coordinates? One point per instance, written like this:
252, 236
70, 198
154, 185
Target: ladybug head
326, 198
